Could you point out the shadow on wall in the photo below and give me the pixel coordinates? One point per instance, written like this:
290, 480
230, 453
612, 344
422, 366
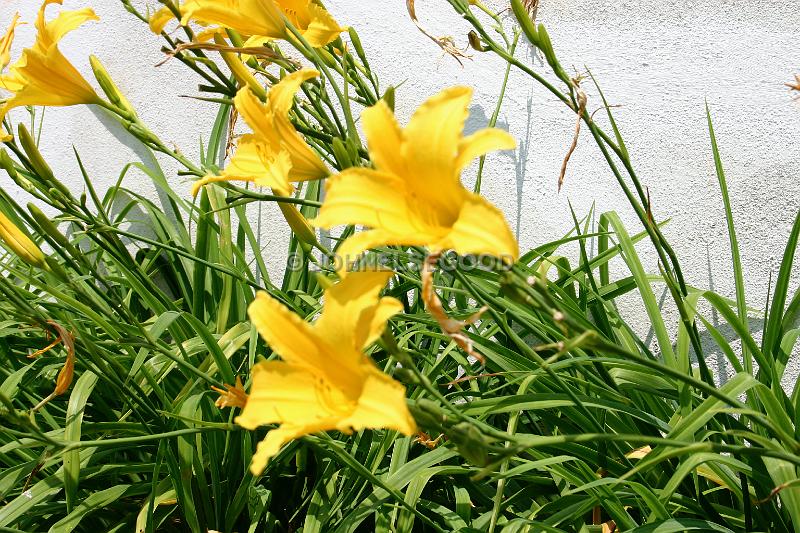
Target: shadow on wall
145, 157
478, 119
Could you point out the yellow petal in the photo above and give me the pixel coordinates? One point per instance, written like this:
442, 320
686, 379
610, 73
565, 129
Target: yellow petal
386, 309
353, 314
41, 22
6, 41
432, 137
285, 393
160, 19
286, 333
481, 228
275, 440
306, 164
321, 29
382, 404
384, 138
248, 17
349, 251
481, 143
281, 96
255, 41
366, 197
254, 113
202, 182
208, 34
65, 22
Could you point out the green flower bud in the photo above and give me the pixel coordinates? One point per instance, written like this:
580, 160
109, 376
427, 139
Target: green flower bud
7, 164
388, 97
341, 154
39, 165
470, 442
525, 22
110, 88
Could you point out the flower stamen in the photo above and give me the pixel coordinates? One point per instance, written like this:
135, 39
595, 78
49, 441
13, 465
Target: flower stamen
231, 395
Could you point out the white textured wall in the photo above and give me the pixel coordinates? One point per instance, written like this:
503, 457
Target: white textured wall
656, 59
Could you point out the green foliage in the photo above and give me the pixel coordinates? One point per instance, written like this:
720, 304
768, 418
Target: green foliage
572, 421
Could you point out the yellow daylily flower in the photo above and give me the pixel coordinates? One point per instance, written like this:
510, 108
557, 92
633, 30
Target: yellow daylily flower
275, 154
262, 20
5, 42
325, 381
414, 196
43, 76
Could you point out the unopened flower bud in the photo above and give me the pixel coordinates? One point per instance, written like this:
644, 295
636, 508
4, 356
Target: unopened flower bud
388, 97
356, 40
406, 376
425, 419
37, 162
341, 154
470, 442
546, 46
525, 23
47, 226
299, 224
7, 164
110, 89
20, 243
327, 58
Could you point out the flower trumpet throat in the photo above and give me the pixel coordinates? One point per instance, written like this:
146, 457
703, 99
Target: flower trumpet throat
42, 75
324, 381
414, 196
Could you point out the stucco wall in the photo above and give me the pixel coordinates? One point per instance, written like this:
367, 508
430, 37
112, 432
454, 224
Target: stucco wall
658, 60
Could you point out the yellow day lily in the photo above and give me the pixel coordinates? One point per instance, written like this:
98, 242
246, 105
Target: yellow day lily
275, 154
43, 76
262, 20
325, 381
414, 196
